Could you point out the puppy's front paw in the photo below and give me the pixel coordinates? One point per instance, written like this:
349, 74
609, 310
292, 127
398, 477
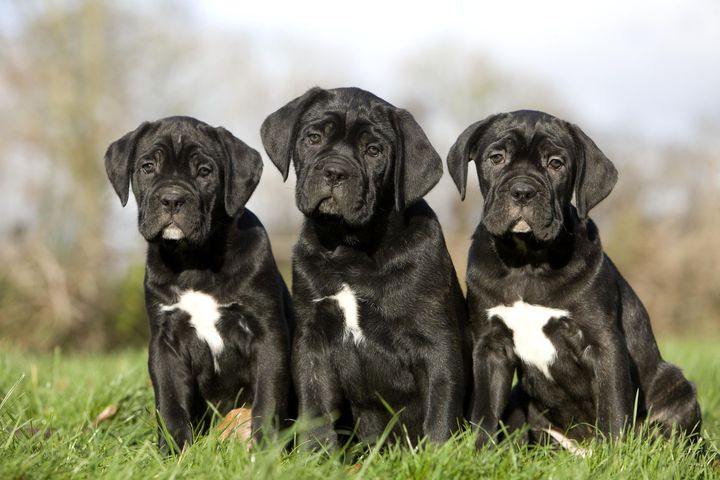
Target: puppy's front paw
320, 439
484, 439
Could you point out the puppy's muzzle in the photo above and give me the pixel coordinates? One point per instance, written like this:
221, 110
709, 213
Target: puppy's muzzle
334, 172
172, 199
522, 190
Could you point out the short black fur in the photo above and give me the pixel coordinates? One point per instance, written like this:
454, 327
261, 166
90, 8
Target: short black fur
191, 182
362, 167
533, 245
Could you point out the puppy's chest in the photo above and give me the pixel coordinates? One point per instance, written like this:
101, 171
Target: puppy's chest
216, 325
353, 317
540, 334
347, 301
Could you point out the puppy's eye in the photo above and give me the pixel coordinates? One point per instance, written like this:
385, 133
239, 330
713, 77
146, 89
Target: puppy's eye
373, 150
555, 163
497, 158
204, 171
148, 168
314, 138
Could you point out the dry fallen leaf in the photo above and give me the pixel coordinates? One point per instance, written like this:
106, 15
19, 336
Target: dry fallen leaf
107, 413
237, 424
30, 431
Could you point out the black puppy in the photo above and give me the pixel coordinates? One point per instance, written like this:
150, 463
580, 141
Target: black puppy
381, 317
219, 311
543, 298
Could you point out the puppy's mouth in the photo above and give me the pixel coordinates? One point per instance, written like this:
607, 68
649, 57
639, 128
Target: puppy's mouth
541, 230
328, 206
520, 226
172, 232
347, 201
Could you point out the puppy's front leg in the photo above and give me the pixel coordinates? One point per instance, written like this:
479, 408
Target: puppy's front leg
612, 388
272, 381
492, 381
172, 383
493, 367
318, 394
444, 394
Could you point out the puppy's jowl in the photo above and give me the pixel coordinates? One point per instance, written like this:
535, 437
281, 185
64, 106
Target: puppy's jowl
219, 311
381, 317
543, 298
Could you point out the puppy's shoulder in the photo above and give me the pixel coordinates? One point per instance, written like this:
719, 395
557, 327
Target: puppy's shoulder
249, 224
423, 229
420, 215
249, 236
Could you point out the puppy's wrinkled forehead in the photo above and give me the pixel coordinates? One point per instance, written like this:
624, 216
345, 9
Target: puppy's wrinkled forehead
352, 110
176, 136
527, 130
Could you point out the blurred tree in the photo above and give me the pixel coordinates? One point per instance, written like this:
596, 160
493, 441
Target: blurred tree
69, 77
77, 74
661, 230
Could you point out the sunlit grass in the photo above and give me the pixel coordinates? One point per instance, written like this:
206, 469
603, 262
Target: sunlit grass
48, 403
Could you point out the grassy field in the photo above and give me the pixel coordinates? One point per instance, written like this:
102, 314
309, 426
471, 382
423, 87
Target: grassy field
48, 404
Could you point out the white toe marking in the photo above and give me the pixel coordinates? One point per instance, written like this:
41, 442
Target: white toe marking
568, 443
204, 314
527, 322
348, 304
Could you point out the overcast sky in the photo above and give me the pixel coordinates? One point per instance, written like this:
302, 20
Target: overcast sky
651, 68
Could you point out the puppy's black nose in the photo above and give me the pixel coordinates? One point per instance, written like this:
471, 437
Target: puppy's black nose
522, 192
172, 201
334, 173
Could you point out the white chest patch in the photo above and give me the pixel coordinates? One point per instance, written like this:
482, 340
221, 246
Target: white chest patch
348, 304
204, 314
527, 322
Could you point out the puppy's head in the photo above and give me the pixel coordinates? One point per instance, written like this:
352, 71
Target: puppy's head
529, 165
353, 152
185, 175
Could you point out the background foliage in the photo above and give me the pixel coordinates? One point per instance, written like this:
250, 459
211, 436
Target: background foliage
76, 75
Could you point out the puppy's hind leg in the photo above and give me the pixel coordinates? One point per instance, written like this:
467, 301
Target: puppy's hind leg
672, 402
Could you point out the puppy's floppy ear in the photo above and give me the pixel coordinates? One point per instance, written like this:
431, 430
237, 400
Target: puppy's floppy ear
459, 154
418, 167
117, 161
242, 171
595, 175
279, 130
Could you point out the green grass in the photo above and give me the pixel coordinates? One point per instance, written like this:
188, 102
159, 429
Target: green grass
47, 405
